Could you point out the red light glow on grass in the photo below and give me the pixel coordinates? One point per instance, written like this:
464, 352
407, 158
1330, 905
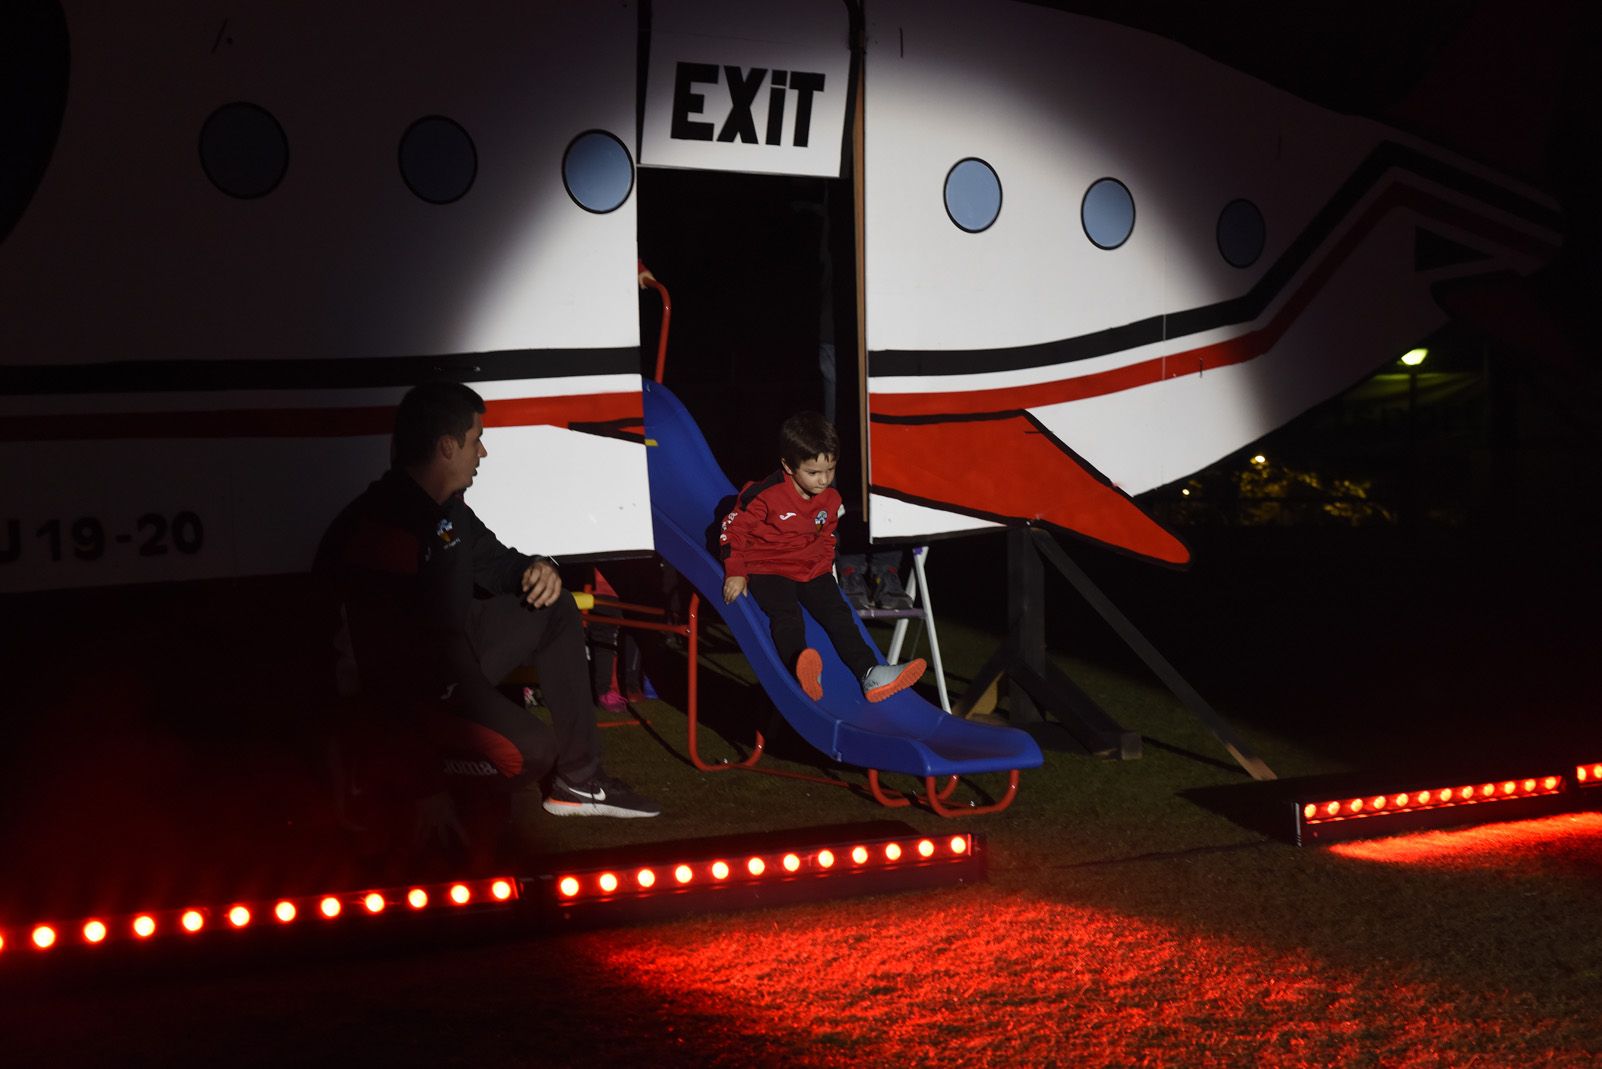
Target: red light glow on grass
1081, 984
1477, 846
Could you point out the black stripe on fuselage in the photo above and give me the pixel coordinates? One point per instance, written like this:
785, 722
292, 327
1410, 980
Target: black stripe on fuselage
1236, 310
338, 373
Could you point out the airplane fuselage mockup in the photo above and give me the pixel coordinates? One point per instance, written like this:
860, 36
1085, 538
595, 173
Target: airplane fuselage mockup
1094, 261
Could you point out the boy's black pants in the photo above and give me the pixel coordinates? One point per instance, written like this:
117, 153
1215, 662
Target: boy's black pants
782, 599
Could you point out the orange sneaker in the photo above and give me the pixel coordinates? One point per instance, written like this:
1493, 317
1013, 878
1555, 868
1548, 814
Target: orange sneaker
808, 672
883, 680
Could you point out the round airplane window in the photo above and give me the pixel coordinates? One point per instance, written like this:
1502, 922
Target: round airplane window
243, 150
597, 171
1107, 213
973, 195
437, 159
1241, 233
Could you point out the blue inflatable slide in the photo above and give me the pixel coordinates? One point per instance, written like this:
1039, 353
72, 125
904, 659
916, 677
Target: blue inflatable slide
902, 734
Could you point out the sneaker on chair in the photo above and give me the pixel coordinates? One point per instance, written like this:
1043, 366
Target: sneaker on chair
883, 680
599, 796
809, 673
888, 593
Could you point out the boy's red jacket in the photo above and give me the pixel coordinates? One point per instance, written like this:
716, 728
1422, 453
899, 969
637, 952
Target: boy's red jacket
773, 530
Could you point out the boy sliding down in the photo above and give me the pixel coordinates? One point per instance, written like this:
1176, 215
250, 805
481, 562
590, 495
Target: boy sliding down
778, 545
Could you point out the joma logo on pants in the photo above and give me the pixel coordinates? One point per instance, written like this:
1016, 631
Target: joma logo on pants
743, 86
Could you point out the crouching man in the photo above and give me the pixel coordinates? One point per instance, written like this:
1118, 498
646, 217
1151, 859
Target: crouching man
437, 611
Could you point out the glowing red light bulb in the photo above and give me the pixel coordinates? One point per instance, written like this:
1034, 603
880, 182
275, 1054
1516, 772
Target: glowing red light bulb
608, 882
791, 863
44, 936
192, 920
567, 885
959, 844
94, 932
720, 870
1528, 785
417, 898
1332, 808
925, 848
756, 866
683, 873
239, 916
1402, 799
892, 851
1509, 787
460, 894
1596, 771
1581, 773
1550, 783
1355, 805
825, 859
859, 854
1378, 802
1465, 793
330, 907
501, 890
645, 878
1443, 795
144, 926
1487, 789
373, 902
284, 911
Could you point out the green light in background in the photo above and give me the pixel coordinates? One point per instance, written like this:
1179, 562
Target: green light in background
1415, 357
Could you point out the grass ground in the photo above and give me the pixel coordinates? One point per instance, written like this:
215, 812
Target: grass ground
1122, 922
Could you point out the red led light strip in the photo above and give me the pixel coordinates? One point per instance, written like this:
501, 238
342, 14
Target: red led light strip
195, 921
1588, 775
616, 883
1378, 805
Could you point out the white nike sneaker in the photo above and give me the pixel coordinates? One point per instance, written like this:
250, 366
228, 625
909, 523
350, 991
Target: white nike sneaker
599, 796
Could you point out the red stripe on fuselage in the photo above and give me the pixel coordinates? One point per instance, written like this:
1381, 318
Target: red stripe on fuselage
1207, 357
309, 422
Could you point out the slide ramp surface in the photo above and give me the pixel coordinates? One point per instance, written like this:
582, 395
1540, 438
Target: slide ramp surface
905, 733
